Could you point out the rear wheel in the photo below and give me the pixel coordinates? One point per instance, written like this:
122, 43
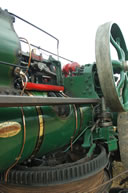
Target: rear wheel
123, 137
79, 176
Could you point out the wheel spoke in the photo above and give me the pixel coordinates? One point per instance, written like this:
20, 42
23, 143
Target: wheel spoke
120, 52
120, 86
117, 66
125, 92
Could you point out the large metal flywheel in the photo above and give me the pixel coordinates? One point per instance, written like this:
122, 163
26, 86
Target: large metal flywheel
112, 73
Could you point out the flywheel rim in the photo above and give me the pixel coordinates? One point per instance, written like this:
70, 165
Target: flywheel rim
104, 64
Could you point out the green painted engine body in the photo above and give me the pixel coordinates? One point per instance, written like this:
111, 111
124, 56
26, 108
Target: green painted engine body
9, 48
56, 129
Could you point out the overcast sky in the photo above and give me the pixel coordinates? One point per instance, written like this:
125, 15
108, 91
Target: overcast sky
73, 22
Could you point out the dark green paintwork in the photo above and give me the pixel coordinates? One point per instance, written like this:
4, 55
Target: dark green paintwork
81, 85
57, 65
106, 134
12, 145
57, 131
9, 48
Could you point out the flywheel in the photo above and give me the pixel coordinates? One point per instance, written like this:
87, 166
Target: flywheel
112, 73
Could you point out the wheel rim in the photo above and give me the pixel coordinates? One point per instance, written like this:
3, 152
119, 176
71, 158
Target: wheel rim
115, 95
60, 174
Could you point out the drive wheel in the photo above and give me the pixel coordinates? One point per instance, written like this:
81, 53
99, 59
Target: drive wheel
79, 176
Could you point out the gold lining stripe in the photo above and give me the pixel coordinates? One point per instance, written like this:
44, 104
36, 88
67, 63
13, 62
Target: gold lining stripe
81, 118
41, 129
22, 148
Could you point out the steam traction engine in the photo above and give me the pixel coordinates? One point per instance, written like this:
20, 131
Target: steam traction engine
60, 130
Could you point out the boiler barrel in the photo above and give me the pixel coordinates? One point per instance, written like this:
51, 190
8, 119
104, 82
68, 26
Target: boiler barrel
38, 130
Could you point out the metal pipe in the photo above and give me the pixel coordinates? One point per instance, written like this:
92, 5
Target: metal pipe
17, 101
